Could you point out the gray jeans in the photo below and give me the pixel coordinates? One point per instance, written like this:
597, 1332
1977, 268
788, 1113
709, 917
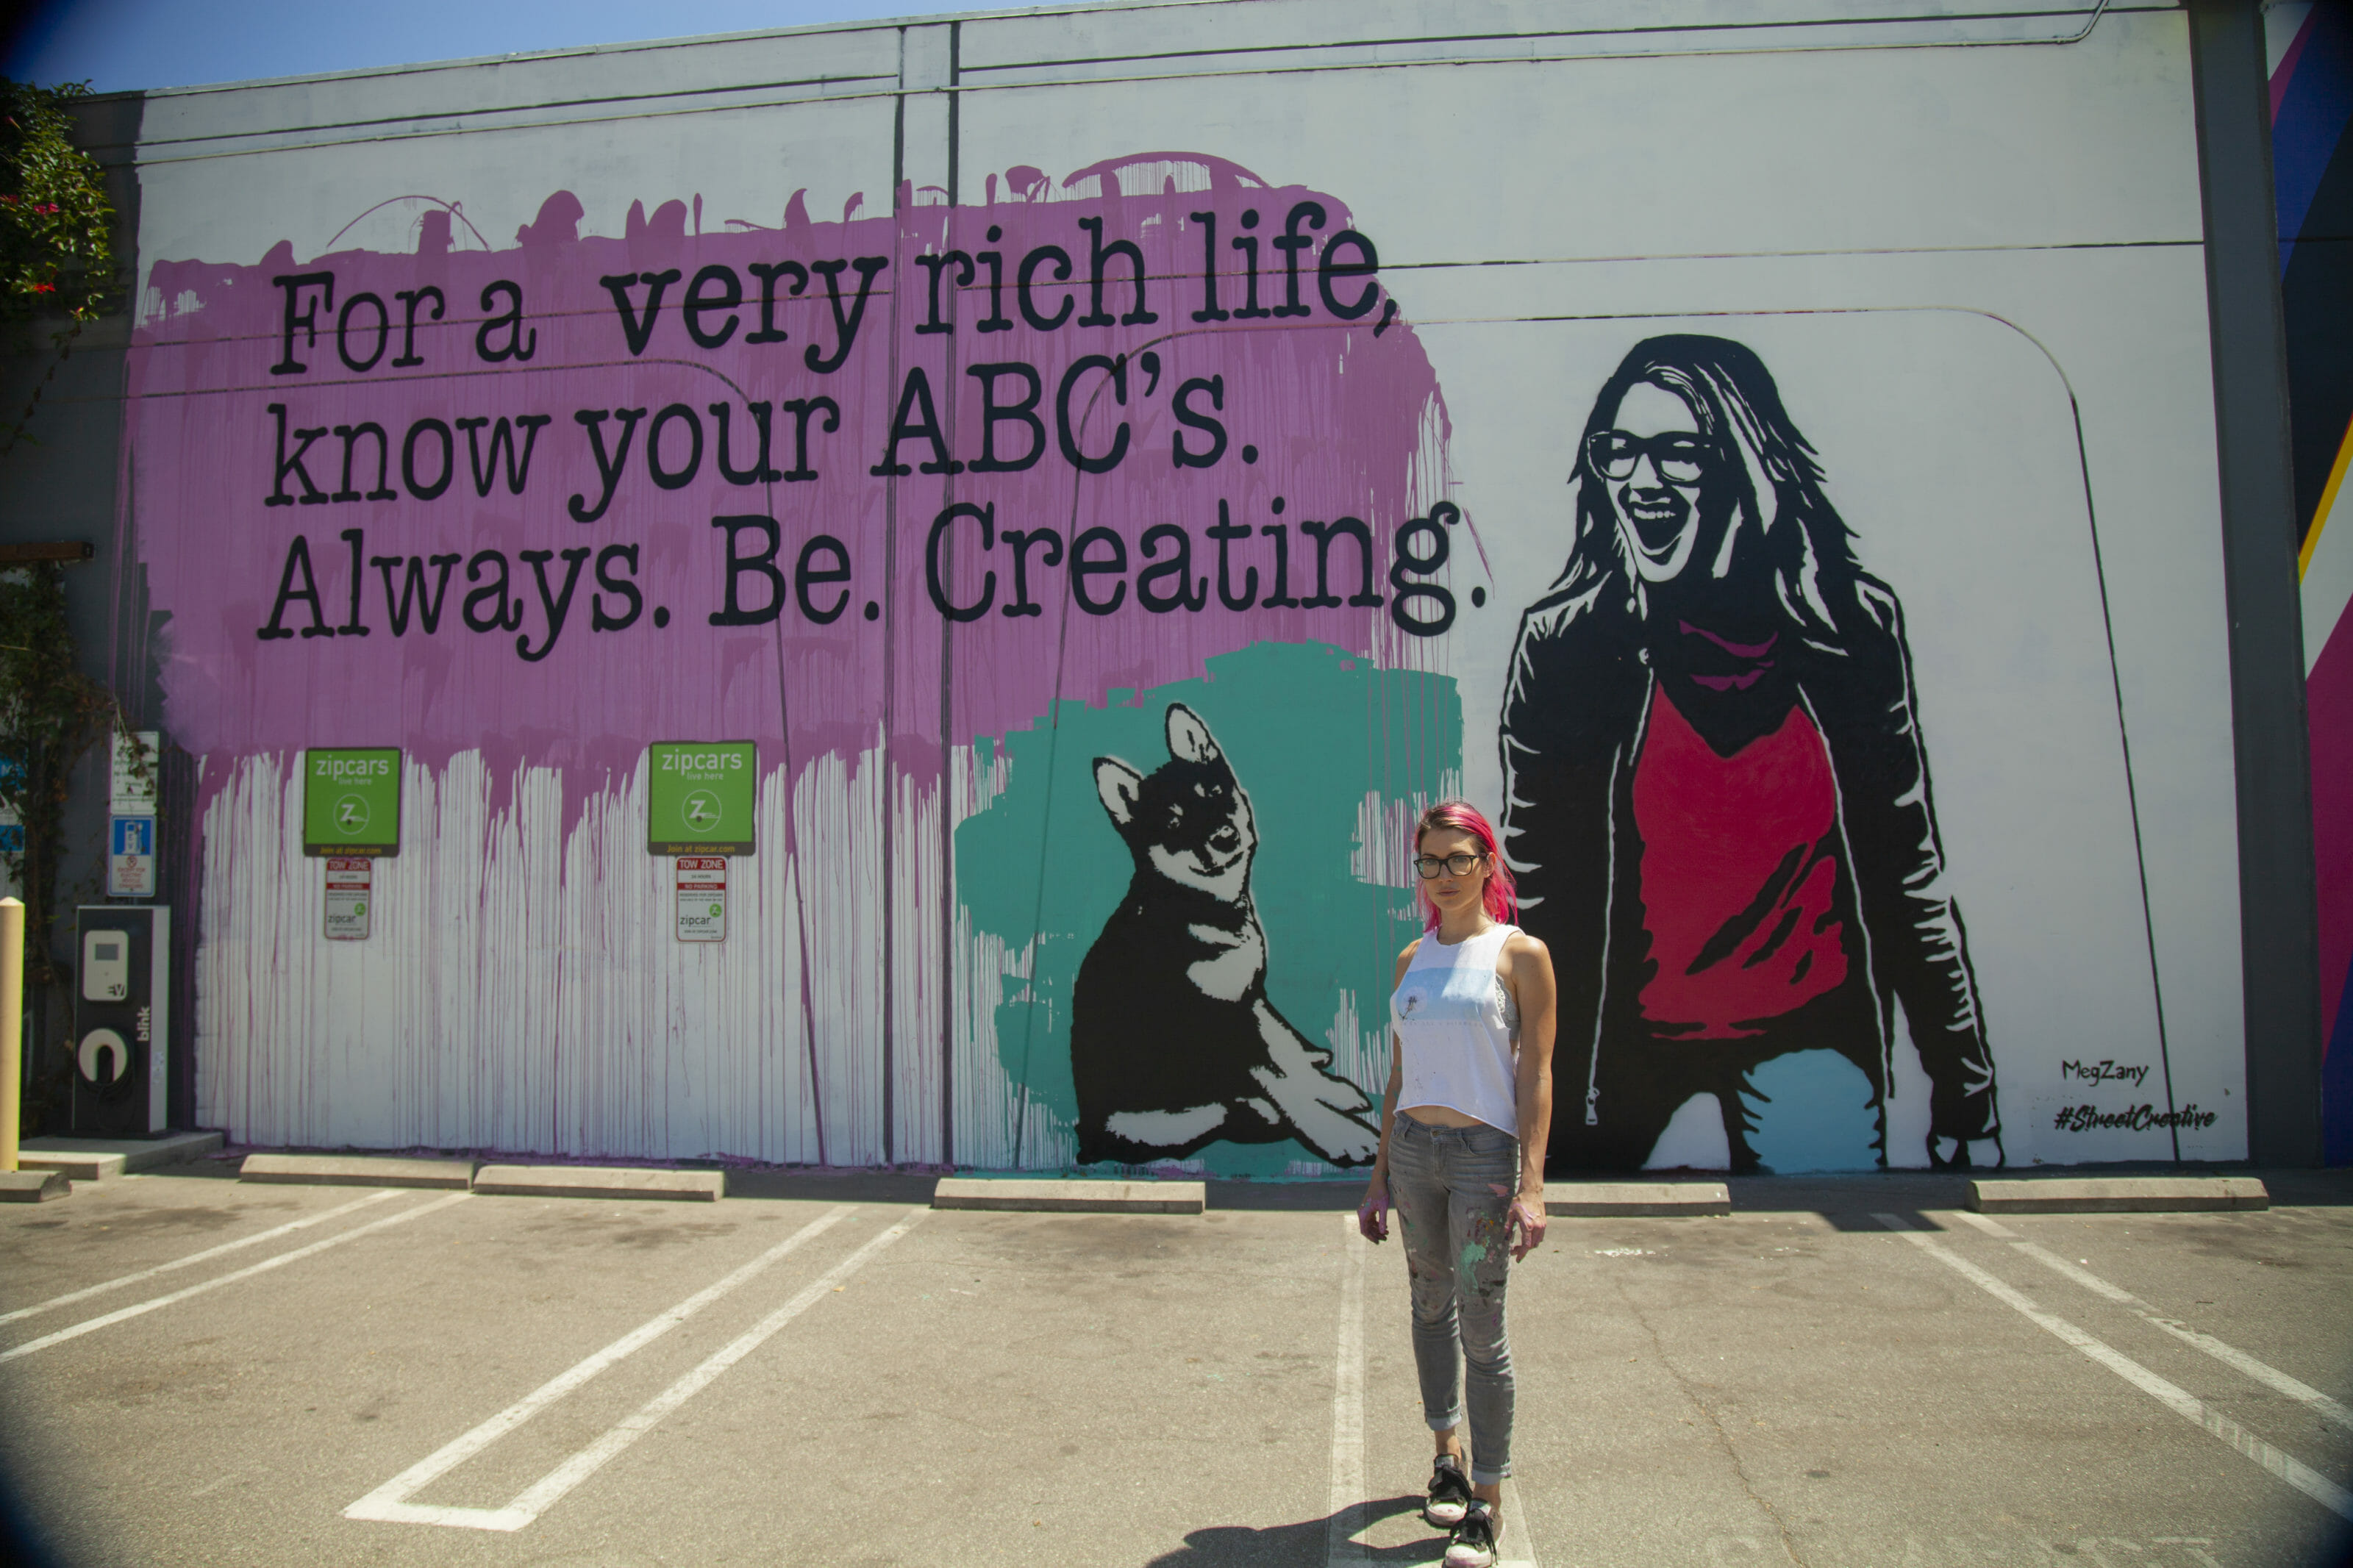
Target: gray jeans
1452, 1189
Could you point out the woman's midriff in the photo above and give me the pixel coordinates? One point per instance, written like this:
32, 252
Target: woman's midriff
1440, 1116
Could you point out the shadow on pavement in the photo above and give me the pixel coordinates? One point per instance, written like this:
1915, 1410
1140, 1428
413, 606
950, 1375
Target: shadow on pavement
204, 1167
834, 1186
1240, 1546
1339, 1196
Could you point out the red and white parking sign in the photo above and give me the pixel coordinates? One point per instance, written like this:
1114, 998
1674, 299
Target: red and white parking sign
350, 892
702, 898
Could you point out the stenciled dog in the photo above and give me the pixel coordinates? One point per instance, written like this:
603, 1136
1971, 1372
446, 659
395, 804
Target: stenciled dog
1173, 1041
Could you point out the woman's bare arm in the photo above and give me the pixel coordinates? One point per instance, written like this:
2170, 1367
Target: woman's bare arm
1372, 1216
1531, 981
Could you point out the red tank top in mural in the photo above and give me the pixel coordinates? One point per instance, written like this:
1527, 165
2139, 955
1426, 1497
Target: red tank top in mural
1739, 878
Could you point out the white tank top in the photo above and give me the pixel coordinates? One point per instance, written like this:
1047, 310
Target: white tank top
1459, 1030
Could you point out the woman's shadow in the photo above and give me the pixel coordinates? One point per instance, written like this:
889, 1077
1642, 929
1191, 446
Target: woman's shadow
1305, 1544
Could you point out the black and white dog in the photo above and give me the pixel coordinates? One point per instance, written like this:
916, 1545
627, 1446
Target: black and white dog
1173, 1041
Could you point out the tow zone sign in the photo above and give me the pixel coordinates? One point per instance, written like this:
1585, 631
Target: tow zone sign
351, 891
702, 898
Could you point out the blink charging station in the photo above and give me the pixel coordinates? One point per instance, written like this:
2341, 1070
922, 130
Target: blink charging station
121, 1038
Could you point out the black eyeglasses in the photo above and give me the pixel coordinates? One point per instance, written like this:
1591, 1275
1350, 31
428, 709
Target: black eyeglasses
1678, 457
1431, 866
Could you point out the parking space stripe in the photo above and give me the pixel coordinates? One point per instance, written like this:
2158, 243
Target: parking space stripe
2229, 1356
1346, 1515
139, 1309
87, 1292
2300, 1475
542, 1495
1515, 1523
388, 1503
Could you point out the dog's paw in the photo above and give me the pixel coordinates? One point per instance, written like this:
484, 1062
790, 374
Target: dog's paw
1357, 1149
1338, 1094
1334, 1135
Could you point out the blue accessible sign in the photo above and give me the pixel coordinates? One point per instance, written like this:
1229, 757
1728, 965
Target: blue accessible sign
131, 857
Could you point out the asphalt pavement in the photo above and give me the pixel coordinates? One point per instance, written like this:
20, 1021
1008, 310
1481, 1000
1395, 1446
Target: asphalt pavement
819, 1369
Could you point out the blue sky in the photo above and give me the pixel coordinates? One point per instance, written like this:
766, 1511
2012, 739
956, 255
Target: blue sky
117, 45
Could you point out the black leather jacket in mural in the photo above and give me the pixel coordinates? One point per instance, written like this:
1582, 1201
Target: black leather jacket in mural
1580, 693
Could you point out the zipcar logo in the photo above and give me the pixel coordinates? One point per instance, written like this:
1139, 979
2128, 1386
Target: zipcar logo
350, 768
701, 761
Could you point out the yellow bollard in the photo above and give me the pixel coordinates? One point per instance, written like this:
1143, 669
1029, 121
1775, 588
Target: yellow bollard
11, 1024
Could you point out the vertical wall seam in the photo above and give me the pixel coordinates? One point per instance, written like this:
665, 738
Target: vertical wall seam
890, 642
947, 687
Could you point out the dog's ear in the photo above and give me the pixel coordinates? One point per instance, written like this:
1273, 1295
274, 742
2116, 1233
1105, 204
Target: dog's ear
1119, 785
1188, 738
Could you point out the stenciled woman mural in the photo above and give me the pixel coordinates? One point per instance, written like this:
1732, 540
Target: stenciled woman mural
1717, 797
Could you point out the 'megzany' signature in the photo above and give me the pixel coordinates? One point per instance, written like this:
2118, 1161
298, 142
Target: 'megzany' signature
2105, 1071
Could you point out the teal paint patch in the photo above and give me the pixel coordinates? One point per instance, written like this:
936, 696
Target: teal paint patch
1311, 731
1812, 1112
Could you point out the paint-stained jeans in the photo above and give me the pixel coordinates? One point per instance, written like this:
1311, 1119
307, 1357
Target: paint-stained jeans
1452, 1189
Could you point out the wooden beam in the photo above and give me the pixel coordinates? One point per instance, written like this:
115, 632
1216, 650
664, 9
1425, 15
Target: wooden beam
54, 550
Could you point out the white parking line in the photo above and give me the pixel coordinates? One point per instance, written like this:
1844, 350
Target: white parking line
87, 1292
1516, 1522
590, 1460
2300, 1475
1348, 1495
389, 1502
139, 1309
1346, 1516
2229, 1356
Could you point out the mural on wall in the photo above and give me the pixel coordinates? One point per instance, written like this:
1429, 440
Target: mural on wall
874, 495
2312, 169
1337, 752
1717, 798
1173, 1040
1086, 569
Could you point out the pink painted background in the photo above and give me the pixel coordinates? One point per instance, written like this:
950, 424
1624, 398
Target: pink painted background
1339, 414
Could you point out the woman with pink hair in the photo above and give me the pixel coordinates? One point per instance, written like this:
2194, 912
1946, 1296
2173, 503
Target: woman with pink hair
1463, 1125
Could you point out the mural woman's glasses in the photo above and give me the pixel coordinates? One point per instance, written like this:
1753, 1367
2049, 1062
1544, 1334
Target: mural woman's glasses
1433, 867
1677, 457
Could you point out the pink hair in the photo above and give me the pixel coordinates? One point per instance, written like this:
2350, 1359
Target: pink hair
1500, 896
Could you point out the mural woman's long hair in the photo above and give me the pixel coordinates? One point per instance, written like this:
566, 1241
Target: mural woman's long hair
1775, 481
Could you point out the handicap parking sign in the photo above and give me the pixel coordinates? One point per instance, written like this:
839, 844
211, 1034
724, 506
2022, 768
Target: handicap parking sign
131, 857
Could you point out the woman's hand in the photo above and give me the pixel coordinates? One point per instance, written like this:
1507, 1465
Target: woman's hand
1373, 1212
1527, 1218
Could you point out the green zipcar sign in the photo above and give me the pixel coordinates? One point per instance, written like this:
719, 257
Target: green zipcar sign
351, 801
700, 798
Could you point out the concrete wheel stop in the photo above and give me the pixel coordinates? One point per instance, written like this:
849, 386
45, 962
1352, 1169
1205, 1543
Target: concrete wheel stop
32, 1186
356, 1171
2120, 1195
498, 1180
1056, 1195
103, 1159
601, 1181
